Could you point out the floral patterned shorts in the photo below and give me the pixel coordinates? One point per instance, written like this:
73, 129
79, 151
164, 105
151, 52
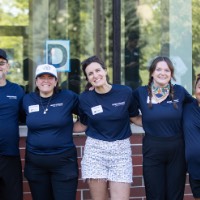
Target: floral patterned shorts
111, 161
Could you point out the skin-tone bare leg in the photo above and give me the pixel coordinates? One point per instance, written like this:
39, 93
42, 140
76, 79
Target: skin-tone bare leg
98, 189
119, 191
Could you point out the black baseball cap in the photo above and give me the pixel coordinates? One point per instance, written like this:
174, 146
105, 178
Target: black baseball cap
3, 54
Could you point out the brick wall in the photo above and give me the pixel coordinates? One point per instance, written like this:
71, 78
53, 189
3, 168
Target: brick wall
137, 188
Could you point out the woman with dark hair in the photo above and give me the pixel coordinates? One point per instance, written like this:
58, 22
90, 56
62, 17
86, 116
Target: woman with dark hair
51, 158
191, 127
105, 114
161, 105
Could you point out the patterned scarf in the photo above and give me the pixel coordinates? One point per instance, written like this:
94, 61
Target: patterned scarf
159, 92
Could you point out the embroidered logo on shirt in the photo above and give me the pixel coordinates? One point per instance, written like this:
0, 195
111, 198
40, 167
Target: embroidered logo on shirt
118, 104
56, 104
11, 97
175, 100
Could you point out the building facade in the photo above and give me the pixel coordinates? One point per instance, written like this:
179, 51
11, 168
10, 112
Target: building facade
126, 34
65, 32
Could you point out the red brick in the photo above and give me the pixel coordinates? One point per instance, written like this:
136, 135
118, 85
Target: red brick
26, 187
137, 160
136, 150
187, 189
79, 140
137, 170
137, 181
136, 139
188, 197
82, 184
27, 196
138, 192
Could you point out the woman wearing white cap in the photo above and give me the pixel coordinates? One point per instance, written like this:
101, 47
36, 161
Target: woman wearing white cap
51, 158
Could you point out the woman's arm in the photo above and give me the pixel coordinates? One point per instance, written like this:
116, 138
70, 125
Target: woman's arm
136, 120
79, 127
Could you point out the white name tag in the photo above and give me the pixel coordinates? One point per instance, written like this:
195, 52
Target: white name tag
97, 109
33, 108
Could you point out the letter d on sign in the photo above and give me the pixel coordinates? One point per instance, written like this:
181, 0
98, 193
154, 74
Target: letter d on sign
58, 54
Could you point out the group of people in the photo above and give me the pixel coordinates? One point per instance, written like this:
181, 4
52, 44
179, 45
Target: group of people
167, 113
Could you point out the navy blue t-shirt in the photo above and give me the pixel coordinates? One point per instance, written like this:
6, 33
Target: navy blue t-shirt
107, 115
50, 133
162, 120
191, 127
10, 102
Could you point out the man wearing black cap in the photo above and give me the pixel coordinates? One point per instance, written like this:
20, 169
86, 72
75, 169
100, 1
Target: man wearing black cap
10, 163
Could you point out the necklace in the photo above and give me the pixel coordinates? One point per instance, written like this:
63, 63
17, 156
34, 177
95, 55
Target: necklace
45, 109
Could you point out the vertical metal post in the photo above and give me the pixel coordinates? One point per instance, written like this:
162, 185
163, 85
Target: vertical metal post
116, 41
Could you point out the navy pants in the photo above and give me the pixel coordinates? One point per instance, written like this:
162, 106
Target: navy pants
164, 168
52, 177
10, 178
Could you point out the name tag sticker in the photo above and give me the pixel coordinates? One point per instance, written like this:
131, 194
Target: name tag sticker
97, 109
33, 108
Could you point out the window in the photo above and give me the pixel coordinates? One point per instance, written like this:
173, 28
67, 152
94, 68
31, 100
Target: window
157, 27
28, 25
154, 26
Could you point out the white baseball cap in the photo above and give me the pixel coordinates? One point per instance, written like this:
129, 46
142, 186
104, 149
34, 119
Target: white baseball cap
46, 69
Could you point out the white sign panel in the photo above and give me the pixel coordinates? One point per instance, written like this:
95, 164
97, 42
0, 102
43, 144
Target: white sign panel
58, 54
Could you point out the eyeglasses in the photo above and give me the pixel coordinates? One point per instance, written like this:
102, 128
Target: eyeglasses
2, 63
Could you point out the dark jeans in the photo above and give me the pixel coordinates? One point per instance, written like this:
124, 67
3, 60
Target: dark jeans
52, 177
164, 168
10, 178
